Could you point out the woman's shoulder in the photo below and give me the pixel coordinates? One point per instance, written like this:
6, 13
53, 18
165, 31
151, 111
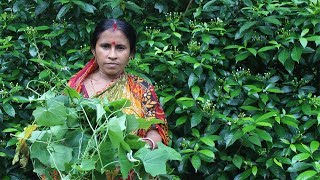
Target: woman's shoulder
139, 81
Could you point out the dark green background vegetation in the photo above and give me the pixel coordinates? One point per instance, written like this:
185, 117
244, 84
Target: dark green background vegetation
238, 79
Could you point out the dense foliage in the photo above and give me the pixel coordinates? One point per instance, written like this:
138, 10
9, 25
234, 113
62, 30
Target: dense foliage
238, 79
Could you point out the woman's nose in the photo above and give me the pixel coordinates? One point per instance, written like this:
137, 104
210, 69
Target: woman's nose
112, 53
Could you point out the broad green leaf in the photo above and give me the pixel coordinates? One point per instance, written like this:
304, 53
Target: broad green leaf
255, 139
306, 175
39, 151
266, 124
304, 32
59, 155
87, 165
237, 161
196, 119
125, 164
181, 120
277, 162
303, 42
42, 28
231, 137
207, 153
134, 7
208, 140
63, 11
242, 56
266, 116
154, 161
300, 157
289, 65
8, 130
206, 38
9, 109
195, 91
192, 79
116, 126
299, 166
252, 51
264, 134
254, 170
42, 6
266, 48
272, 20
244, 175
247, 25
196, 162
314, 146
290, 121
249, 108
293, 148
296, 53
248, 128
54, 113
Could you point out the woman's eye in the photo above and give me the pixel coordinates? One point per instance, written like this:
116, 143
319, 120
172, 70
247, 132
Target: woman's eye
121, 47
105, 46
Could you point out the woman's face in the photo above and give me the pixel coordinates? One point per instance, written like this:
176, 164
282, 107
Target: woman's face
112, 52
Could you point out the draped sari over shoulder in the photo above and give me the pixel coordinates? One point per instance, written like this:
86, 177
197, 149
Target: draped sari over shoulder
144, 101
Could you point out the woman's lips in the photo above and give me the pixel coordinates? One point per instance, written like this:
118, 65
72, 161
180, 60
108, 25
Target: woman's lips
111, 65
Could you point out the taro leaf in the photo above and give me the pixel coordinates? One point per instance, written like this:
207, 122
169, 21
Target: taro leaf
78, 141
116, 126
107, 154
55, 113
59, 155
143, 124
155, 161
59, 131
87, 165
39, 151
132, 123
125, 164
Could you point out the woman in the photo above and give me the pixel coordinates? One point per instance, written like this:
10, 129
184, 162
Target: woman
113, 45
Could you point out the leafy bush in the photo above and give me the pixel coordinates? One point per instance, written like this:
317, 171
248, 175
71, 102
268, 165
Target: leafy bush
238, 79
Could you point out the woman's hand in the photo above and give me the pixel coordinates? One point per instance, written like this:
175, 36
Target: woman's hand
152, 138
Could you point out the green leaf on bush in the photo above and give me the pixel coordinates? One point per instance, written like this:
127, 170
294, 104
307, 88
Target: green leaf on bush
303, 42
247, 25
314, 146
208, 140
196, 162
195, 91
231, 137
237, 161
277, 162
296, 53
9, 109
242, 56
54, 113
254, 170
264, 134
306, 175
300, 157
196, 119
207, 153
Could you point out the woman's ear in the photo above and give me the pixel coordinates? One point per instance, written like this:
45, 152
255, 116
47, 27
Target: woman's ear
93, 52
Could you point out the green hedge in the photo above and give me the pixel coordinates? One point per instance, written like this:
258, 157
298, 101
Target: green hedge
239, 80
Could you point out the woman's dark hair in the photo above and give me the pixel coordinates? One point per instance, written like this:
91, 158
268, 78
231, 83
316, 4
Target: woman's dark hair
122, 25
